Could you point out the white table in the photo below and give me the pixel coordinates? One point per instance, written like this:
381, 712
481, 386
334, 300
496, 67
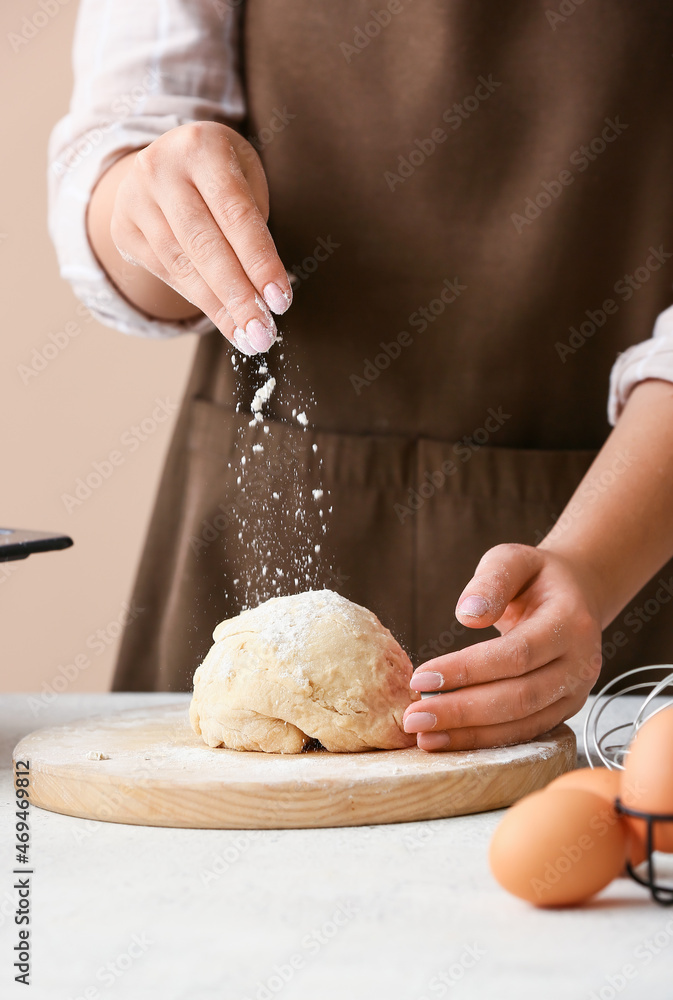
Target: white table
366, 913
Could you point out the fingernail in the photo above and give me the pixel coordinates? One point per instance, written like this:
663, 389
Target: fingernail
259, 336
436, 741
419, 722
426, 680
276, 299
473, 606
242, 342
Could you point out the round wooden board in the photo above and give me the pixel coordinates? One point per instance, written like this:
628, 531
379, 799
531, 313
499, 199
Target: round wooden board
160, 773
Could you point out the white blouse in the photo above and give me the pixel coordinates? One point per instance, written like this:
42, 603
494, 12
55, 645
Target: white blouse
141, 69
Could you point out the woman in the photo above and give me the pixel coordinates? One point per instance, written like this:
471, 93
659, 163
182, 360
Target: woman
476, 203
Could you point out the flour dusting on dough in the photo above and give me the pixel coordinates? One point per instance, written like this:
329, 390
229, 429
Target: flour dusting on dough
310, 666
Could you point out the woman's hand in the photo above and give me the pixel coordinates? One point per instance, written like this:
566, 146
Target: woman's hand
535, 675
192, 209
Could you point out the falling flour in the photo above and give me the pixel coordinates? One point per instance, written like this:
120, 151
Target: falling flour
275, 483
262, 396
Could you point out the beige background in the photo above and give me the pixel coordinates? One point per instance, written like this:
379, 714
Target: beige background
73, 413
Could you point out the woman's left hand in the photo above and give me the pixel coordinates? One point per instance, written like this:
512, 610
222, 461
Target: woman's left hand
536, 674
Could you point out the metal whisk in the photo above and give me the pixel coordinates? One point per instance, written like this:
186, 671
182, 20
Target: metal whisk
609, 746
603, 746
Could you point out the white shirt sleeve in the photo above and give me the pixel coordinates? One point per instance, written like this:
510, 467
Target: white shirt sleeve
651, 359
141, 67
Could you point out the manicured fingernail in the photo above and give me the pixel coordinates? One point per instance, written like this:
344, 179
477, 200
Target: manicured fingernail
419, 722
473, 606
242, 342
436, 741
276, 299
426, 680
259, 336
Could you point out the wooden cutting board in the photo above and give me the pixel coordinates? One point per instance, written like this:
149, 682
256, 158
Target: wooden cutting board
158, 772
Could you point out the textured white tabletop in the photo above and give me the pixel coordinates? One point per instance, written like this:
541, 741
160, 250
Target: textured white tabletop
398, 912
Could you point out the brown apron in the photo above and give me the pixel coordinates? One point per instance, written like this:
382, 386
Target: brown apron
459, 187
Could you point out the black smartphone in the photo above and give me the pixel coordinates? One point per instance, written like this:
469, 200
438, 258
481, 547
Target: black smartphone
17, 543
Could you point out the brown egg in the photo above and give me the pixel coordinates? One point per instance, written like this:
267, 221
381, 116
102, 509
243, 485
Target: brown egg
558, 847
607, 783
647, 779
600, 780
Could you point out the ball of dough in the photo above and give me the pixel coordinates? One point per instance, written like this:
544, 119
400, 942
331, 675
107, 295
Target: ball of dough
309, 666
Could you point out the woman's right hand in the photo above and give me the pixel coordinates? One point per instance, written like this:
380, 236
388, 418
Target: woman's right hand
192, 209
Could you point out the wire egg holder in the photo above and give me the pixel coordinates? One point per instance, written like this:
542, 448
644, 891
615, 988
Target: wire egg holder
612, 755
